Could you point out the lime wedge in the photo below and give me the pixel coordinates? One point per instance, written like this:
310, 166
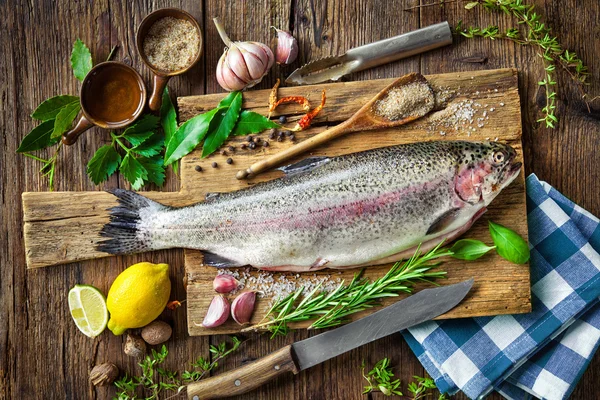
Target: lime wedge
88, 309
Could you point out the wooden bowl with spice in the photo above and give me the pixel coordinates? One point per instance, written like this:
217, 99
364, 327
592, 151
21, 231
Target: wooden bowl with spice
169, 41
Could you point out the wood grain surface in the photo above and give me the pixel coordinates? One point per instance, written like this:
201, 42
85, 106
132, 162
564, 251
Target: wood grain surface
41, 351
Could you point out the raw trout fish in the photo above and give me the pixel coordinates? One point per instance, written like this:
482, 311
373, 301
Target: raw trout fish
360, 209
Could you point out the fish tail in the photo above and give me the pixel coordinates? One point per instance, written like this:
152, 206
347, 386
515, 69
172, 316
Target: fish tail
125, 231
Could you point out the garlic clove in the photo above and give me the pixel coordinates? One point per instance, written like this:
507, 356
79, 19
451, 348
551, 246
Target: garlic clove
243, 307
218, 312
254, 64
236, 59
287, 47
225, 283
232, 82
269, 53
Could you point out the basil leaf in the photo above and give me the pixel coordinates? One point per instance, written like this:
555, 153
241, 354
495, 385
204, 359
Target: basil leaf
168, 116
469, 249
188, 136
65, 119
150, 147
81, 60
251, 122
154, 167
133, 171
103, 164
222, 124
509, 244
40, 137
50, 107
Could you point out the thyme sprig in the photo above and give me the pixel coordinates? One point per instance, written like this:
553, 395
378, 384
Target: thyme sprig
155, 379
380, 379
332, 309
534, 33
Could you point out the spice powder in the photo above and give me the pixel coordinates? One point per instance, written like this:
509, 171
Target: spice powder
404, 101
171, 44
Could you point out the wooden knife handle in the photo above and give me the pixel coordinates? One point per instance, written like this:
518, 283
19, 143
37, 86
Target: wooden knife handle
245, 378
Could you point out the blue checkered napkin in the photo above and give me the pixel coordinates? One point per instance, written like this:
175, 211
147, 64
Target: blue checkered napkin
542, 353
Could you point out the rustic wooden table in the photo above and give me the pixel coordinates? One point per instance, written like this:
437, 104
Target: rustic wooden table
41, 351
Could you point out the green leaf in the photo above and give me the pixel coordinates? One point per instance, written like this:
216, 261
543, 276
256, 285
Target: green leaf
223, 123
40, 137
509, 244
65, 119
81, 60
150, 147
143, 129
473, 4
50, 107
226, 102
188, 136
137, 138
251, 122
168, 116
469, 249
133, 171
154, 167
103, 164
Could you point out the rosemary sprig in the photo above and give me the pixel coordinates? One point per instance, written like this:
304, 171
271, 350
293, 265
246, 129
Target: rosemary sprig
332, 309
535, 33
48, 166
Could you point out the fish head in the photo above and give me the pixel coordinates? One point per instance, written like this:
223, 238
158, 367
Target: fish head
484, 169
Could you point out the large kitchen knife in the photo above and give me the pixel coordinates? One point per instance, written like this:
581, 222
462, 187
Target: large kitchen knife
413, 310
373, 54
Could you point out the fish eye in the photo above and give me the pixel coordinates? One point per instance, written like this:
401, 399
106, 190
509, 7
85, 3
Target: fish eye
498, 157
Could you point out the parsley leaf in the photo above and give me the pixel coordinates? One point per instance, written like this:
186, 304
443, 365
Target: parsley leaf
142, 130
133, 171
150, 147
49, 108
251, 122
81, 60
103, 164
154, 168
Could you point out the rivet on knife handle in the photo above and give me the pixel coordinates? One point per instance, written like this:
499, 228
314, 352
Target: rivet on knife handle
245, 378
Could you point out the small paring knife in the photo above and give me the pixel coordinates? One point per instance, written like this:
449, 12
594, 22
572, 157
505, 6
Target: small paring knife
413, 310
373, 54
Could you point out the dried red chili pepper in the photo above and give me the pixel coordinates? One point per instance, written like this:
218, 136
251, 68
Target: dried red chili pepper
174, 304
303, 101
273, 98
306, 120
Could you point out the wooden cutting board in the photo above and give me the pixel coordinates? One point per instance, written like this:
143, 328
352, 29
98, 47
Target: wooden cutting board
63, 227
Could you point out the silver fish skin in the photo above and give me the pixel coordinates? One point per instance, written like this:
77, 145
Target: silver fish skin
360, 209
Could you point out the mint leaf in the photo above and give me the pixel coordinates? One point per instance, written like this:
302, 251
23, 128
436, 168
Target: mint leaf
81, 60
469, 249
50, 107
188, 136
168, 116
251, 122
223, 123
150, 147
509, 244
103, 164
154, 167
65, 118
133, 171
40, 137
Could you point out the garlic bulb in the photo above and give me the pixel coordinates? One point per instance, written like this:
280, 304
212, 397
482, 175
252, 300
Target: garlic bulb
243, 64
287, 47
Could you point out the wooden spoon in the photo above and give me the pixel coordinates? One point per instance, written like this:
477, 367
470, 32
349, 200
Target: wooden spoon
406, 99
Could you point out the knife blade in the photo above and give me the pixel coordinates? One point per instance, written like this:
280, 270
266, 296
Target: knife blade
413, 310
373, 54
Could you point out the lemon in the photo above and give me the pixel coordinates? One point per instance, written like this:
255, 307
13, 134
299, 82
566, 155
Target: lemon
137, 296
88, 309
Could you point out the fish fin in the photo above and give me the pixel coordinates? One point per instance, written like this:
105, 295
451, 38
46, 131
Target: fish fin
306, 165
443, 221
122, 230
215, 260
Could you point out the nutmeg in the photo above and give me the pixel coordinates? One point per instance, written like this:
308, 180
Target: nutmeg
156, 332
135, 346
104, 374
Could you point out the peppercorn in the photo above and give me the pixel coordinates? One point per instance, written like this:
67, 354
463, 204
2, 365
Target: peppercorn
229, 160
272, 134
282, 119
231, 148
292, 137
280, 134
266, 144
198, 168
280, 139
258, 140
252, 146
289, 133
214, 164
223, 153
243, 146
250, 139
